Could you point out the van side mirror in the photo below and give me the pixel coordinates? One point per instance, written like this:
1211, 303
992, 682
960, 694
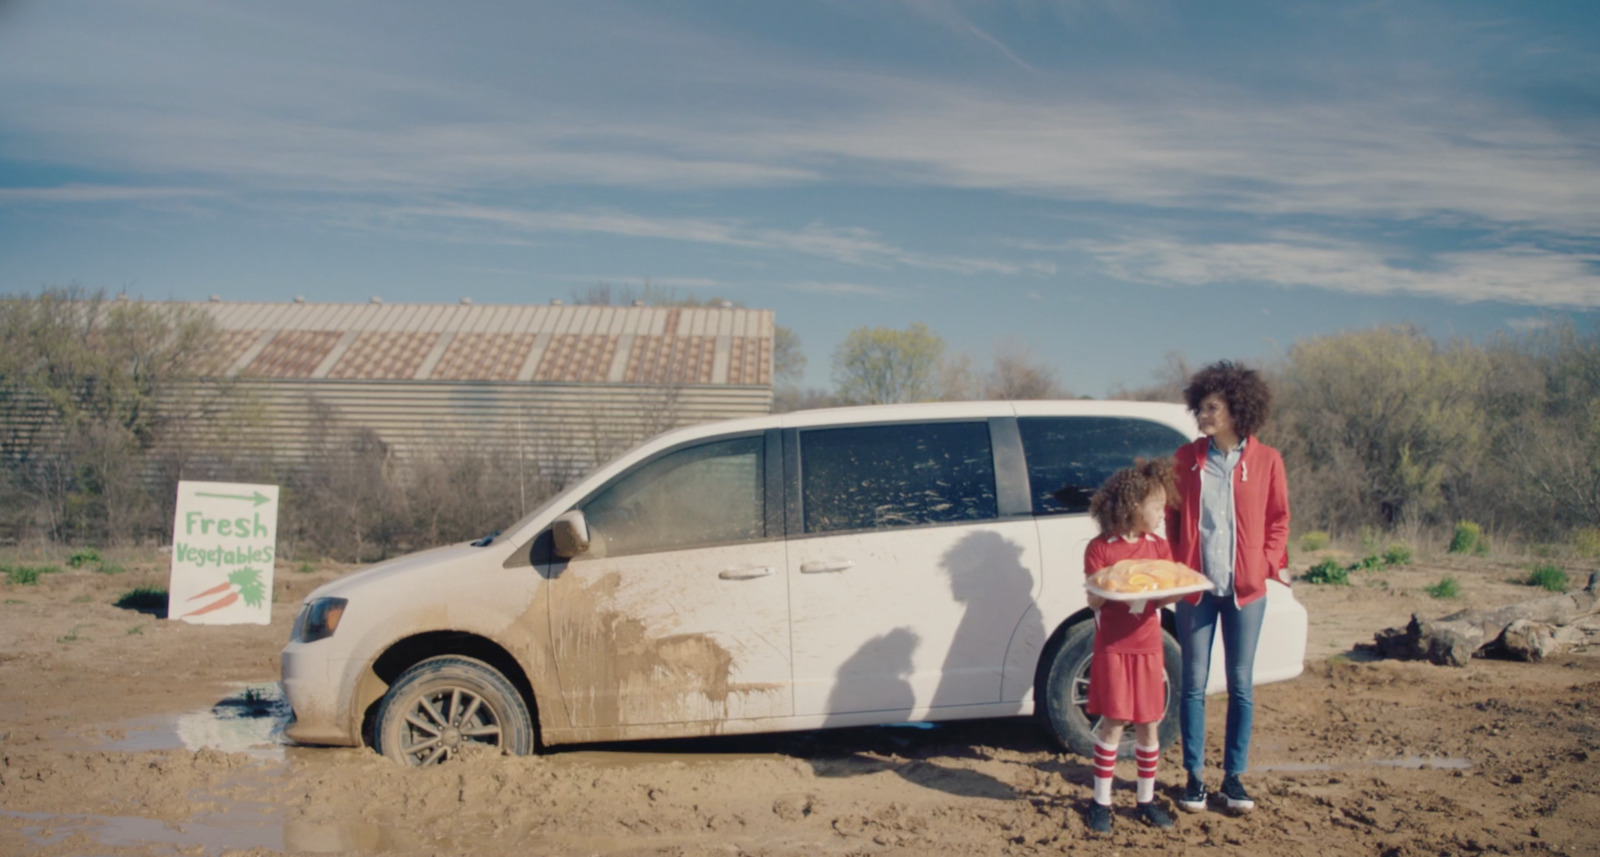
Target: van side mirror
571, 534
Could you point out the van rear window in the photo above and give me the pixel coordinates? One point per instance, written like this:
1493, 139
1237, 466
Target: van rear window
881, 477
1078, 453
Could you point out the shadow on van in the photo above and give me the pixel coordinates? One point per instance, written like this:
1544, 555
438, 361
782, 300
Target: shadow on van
985, 574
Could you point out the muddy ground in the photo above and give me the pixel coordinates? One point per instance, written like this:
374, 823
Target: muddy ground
102, 705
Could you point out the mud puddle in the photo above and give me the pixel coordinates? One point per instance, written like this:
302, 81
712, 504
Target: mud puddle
250, 720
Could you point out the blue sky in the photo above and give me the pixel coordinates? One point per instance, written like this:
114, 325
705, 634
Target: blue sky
1097, 182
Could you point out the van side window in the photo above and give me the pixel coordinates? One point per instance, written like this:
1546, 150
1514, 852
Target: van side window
880, 477
1078, 453
703, 495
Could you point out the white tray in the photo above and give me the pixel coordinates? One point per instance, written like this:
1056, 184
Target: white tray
1137, 600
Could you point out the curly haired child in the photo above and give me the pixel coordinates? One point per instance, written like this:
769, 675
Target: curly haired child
1125, 676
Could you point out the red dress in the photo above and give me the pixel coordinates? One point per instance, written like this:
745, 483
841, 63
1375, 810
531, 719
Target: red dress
1126, 675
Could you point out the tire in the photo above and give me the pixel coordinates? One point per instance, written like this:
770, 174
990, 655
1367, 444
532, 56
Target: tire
442, 704
1066, 694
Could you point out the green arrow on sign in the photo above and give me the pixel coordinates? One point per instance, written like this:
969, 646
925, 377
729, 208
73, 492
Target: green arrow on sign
259, 497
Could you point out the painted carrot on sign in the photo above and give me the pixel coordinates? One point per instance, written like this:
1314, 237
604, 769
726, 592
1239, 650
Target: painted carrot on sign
248, 583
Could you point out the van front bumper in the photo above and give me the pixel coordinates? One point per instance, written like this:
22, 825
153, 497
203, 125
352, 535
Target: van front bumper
311, 683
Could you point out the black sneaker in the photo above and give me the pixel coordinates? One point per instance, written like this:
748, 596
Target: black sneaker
1237, 797
1099, 817
1152, 814
1193, 798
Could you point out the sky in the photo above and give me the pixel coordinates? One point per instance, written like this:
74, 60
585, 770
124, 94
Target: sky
1098, 183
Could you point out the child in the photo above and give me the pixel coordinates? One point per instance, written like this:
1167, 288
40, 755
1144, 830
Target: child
1125, 677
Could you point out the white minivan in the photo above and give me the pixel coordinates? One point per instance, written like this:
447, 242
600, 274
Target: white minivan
821, 568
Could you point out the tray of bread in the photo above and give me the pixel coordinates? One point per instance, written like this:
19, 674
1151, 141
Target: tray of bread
1139, 580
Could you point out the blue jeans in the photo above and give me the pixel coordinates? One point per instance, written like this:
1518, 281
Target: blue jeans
1241, 630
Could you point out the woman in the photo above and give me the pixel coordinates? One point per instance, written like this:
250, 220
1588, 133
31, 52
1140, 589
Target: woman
1232, 524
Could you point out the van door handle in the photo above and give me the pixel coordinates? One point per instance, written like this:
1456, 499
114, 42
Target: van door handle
826, 567
745, 573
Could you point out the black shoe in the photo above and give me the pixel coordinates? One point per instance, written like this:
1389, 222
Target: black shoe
1237, 797
1152, 814
1193, 798
1099, 817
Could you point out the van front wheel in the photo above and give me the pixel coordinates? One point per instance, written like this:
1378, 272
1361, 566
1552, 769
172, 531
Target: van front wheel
1066, 693
442, 705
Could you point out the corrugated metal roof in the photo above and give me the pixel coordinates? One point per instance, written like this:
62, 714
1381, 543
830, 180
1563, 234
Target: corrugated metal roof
487, 342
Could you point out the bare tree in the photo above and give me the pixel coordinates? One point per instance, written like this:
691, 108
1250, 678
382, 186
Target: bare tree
1168, 384
789, 399
1017, 374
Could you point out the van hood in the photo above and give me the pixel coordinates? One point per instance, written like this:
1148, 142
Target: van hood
422, 562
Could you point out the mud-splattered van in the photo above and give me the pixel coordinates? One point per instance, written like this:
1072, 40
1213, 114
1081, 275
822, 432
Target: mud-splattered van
806, 570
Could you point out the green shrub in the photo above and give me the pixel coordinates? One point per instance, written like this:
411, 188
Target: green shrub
82, 557
27, 575
1447, 587
1314, 541
145, 599
1482, 547
1367, 563
1465, 538
305, 568
1587, 542
109, 567
1328, 572
1398, 553
1549, 577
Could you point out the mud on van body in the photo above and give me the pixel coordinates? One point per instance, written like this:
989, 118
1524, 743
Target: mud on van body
821, 568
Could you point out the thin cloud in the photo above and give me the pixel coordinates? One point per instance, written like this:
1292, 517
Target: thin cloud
1530, 323
851, 289
362, 123
852, 245
1153, 140
71, 193
948, 15
1523, 275
1233, 152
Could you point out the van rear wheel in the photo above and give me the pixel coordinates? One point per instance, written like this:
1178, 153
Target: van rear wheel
1066, 694
443, 705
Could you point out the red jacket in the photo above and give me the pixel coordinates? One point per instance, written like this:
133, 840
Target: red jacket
1260, 516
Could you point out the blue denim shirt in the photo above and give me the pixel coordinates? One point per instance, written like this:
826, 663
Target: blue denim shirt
1216, 516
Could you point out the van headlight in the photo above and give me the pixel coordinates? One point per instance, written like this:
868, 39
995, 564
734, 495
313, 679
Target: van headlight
318, 619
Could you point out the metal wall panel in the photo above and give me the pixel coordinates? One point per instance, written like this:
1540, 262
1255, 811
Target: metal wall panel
563, 427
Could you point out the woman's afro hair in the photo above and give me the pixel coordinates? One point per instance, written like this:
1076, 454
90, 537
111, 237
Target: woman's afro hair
1246, 392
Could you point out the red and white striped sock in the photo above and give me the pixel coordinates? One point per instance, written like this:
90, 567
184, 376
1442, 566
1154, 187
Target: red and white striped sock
1105, 766
1147, 757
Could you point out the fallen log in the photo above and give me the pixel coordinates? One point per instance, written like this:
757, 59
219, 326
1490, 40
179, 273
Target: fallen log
1534, 641
1527, 630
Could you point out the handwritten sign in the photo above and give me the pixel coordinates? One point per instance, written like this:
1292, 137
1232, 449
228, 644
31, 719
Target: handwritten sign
224, 541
